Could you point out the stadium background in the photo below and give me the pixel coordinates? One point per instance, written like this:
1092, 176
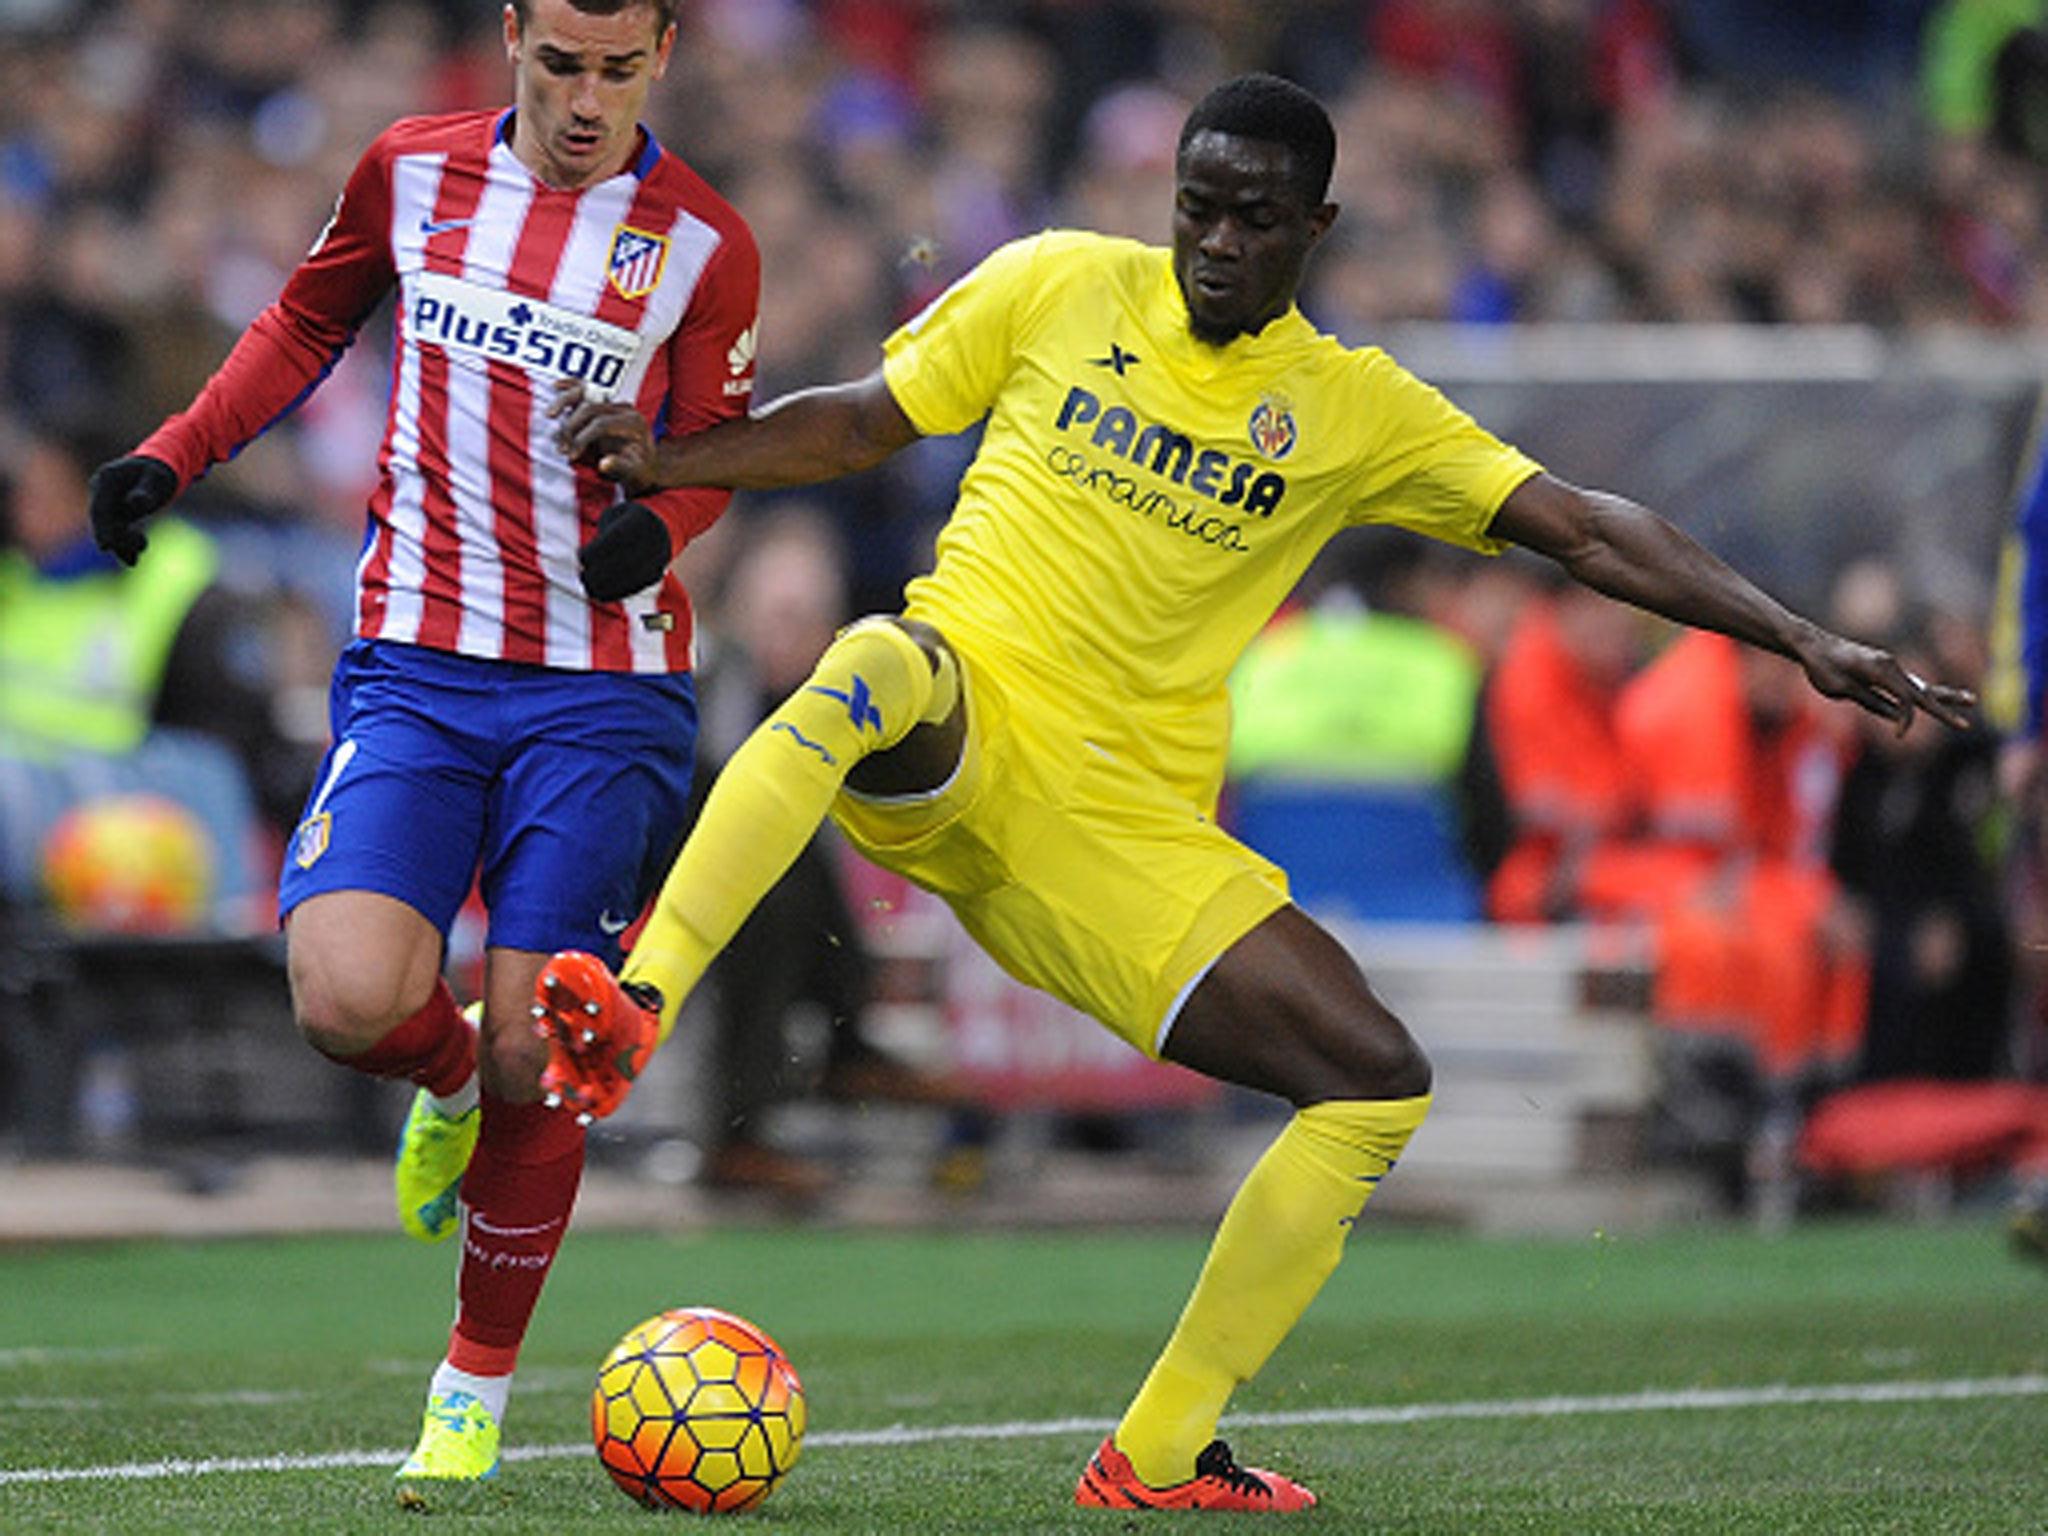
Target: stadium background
1765, 266
1760, 262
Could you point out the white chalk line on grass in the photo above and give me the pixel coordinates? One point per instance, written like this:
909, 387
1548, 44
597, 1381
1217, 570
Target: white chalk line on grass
1680, 1400
43, 1354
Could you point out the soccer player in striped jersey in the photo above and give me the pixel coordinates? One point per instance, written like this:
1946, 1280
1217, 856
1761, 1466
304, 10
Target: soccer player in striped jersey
1040, 737
521, 651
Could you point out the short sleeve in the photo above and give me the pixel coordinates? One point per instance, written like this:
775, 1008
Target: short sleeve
946, 364
1431, 468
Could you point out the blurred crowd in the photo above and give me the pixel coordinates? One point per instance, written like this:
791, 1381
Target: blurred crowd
163, 164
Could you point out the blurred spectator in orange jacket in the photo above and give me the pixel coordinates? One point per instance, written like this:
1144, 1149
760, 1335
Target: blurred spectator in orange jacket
1739, 774
1549, 718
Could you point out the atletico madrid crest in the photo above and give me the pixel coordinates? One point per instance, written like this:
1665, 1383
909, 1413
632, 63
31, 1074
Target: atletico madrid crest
636, 261
311, 839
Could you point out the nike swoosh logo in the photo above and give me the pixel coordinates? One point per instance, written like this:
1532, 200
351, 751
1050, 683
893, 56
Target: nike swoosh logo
442, 226
611, 924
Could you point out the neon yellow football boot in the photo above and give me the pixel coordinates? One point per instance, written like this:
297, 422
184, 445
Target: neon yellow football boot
433, 1154
458, 1441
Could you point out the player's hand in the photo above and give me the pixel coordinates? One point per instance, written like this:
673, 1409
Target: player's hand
1865, 675
120, 495
627, 554
607, 434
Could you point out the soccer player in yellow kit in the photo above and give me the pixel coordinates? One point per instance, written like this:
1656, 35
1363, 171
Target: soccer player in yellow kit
1039, 737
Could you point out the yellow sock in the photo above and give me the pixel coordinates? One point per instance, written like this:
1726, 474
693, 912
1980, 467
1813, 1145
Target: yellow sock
872, 685
1281, 1237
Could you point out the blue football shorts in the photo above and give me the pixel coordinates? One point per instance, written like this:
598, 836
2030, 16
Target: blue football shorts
561, 794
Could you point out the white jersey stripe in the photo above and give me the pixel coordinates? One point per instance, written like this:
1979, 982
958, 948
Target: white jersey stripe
579, 282
416, 182
486, 259
692, 243
554, 485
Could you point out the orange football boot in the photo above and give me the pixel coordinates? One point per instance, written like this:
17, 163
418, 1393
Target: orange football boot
1110, 1482
600, 1033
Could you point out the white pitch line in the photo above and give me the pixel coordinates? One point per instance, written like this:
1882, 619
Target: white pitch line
42, 1354
240, 1397
1691, 1399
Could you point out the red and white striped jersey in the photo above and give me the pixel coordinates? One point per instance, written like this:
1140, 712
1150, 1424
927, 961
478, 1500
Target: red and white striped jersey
646, 286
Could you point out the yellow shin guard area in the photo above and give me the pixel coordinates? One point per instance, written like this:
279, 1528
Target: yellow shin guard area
872, 685
1278, 1243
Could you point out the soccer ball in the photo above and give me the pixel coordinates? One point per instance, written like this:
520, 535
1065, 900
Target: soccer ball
129, 863
697, 1409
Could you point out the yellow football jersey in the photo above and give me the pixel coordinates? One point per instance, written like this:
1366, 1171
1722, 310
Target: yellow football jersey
1143, 501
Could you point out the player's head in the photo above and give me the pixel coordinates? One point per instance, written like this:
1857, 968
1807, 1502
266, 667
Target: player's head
581, 72
1251, 180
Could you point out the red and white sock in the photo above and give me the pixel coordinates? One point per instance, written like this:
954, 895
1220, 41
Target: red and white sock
516, 1200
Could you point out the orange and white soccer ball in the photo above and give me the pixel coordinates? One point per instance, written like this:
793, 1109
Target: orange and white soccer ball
697, 1409
128, 863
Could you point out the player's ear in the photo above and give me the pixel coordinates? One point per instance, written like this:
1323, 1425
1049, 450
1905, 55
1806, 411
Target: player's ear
1320, 219
512, 33
662, 50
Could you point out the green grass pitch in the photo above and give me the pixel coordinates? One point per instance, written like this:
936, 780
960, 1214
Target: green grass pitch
1844, 1378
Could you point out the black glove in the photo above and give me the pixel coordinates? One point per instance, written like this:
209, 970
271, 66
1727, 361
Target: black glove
121, 494
628, 552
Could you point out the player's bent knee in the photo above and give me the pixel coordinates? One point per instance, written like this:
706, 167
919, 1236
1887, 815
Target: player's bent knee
359, 964
1365, 1056
336, 1029
1398, 1066
341, 1010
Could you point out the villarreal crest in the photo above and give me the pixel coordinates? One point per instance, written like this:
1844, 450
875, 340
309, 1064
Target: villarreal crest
636, 261
1272, 428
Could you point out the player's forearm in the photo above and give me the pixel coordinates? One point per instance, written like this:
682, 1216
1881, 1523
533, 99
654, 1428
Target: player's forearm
812, 435
1631, 553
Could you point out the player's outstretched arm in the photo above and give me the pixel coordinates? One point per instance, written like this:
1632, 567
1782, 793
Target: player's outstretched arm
800, 439
1627, 551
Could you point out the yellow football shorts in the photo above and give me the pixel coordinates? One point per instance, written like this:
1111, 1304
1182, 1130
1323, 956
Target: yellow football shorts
1078, 871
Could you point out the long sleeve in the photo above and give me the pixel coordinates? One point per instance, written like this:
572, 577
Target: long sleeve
710, 374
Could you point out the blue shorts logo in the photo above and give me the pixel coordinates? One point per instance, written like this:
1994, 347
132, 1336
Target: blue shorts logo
311, 839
